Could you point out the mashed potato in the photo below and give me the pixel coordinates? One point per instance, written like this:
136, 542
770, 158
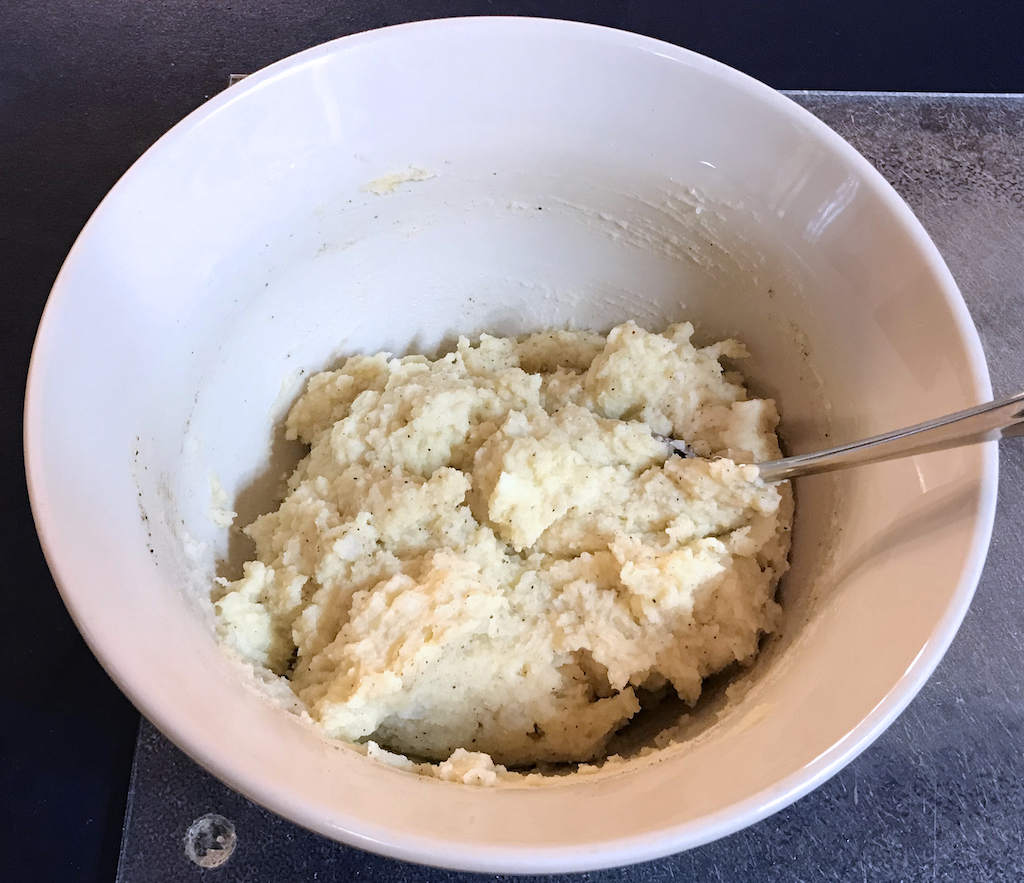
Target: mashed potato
493, 553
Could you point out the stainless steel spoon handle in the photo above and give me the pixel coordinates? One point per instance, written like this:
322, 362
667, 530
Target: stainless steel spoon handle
988, 422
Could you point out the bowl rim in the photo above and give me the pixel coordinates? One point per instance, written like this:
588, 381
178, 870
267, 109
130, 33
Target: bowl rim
453, 854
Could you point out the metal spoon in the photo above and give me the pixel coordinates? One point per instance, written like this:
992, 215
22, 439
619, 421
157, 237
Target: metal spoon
989, 422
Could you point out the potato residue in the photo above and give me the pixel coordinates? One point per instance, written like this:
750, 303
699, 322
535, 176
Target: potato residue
493, 553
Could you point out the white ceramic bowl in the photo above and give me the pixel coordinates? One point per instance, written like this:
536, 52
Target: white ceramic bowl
571, 174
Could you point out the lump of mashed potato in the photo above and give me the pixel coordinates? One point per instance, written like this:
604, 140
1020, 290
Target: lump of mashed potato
493, 553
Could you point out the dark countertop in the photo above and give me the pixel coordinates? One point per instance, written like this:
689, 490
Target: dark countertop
86, 88
940, 796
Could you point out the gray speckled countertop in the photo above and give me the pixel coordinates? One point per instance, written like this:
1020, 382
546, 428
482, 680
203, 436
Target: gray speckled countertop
940, 796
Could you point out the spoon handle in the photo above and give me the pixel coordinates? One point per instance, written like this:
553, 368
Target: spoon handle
988, 422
